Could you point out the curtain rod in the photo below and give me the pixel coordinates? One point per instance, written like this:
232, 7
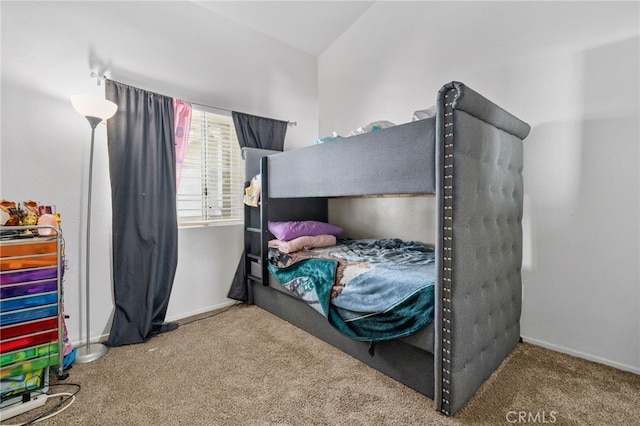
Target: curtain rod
100, 78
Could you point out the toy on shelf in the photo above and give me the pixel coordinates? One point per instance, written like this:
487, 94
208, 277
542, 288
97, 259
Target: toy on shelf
12, 214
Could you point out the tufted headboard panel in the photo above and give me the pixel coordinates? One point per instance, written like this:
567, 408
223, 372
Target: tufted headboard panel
480, 193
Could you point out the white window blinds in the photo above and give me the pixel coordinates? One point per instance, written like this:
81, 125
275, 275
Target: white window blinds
212, 182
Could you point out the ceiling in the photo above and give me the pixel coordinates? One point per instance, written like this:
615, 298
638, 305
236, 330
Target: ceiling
309, 26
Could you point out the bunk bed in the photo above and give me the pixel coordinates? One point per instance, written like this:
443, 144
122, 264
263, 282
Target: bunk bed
469, 156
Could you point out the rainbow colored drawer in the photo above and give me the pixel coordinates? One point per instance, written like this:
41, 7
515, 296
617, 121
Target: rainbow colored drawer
30, 326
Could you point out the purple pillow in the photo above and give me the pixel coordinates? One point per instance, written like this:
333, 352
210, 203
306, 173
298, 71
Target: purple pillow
286, 231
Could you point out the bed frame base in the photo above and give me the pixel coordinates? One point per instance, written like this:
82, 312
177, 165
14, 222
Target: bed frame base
399, 360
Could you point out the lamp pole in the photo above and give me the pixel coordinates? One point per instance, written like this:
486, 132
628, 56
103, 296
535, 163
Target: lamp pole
97, 350
94, 110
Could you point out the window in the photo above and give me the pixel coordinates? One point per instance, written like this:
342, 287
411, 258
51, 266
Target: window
212, 182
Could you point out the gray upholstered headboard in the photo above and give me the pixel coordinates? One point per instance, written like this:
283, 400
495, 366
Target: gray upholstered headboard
479, 196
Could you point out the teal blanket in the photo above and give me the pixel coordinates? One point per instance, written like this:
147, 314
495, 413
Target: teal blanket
369, 290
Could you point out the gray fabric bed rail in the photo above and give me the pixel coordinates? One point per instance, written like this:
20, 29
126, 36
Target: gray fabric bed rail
397, 160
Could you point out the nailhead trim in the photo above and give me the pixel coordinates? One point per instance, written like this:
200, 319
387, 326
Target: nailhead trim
447, 264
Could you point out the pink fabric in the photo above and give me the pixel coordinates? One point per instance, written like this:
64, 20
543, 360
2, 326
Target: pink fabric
182, 123
286, 231
303, 243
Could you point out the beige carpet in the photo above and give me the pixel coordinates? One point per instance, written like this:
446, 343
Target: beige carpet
245, 366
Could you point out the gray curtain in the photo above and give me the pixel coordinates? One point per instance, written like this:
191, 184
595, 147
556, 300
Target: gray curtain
143, 194
259, 132
254, 132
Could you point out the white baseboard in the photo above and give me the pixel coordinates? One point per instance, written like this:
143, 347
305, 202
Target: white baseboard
200, 311
177, 317
562, 349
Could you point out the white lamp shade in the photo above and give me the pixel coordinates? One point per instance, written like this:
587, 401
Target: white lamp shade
93, 106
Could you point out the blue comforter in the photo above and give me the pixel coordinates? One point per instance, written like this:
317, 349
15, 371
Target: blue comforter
369, 290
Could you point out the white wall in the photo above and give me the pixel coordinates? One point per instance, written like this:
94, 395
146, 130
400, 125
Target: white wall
569, 69
175, 48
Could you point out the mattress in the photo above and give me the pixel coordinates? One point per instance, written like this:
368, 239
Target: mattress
369, 290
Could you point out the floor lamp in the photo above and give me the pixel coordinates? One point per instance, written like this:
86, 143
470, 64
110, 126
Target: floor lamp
94, 109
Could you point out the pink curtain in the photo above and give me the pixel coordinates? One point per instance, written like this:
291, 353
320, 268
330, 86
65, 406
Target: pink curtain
182, 118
